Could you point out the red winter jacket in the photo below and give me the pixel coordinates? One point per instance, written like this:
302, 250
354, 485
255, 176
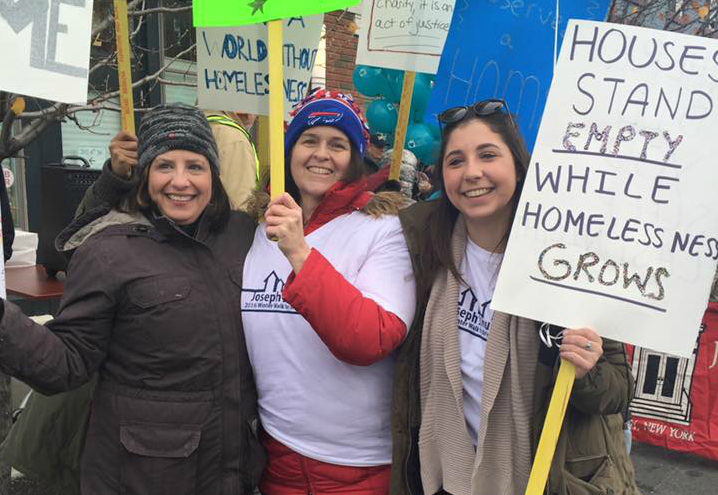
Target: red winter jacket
365, 332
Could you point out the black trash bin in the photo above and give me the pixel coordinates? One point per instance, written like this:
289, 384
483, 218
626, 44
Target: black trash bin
62, 186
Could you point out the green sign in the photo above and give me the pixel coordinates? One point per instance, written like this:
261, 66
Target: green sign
219, 13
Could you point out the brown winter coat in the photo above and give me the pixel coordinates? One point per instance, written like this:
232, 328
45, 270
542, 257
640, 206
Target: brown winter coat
590, 456
156, 313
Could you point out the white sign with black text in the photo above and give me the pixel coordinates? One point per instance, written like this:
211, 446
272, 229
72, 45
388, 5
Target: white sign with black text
46, 48
233, 70
616, 227
404, 35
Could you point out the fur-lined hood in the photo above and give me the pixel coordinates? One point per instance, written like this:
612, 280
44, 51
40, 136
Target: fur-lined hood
342, 198
94, 222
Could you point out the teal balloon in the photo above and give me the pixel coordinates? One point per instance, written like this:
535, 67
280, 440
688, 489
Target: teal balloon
395, 83
421, 142
435, 131
420, 97
381, 115
370, 81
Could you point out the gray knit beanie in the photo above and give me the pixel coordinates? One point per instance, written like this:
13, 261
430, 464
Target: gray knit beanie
175, 126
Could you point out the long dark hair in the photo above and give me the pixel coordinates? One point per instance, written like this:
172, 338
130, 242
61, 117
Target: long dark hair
216, 213
441, 222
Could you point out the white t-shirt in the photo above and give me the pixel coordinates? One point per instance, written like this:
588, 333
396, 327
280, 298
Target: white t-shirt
309, 400
479, 268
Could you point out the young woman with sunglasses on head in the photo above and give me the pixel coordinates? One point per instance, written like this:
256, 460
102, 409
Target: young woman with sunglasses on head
470, 399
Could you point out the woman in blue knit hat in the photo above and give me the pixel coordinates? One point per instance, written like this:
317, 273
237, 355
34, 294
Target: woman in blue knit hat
328, 295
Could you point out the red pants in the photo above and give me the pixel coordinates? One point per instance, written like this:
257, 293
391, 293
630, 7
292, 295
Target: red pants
290, 473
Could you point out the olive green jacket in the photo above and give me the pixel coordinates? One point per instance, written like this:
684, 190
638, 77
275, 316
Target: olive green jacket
590, 456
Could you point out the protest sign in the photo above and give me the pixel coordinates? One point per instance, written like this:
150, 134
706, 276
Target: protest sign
219, 13
615, 227
503, 49
405, 34
233, 69
47, 48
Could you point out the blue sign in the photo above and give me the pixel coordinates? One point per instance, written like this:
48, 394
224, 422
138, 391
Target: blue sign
505, 49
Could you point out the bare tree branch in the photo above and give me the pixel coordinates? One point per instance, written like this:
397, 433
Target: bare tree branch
164, 81
161, 10
107, 22
7, 121
113, 94
684, 5
32, 130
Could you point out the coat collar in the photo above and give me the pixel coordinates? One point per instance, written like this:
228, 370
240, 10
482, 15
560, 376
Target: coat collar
341, 198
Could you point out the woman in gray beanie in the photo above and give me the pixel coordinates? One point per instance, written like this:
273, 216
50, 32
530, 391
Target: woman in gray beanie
151, 303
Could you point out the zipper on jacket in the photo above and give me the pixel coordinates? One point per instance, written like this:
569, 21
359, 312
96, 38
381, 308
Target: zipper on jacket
406, 465
411, 439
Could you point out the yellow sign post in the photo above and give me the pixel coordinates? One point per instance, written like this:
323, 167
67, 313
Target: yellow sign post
551, 428
402, 122
276, 109
124, 71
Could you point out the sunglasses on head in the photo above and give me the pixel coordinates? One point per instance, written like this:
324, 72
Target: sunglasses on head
481, 109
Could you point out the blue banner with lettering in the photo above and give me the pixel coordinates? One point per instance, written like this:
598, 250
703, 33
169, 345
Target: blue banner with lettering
505, 49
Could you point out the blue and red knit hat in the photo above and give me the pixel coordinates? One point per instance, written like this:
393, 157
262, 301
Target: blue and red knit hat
328, 108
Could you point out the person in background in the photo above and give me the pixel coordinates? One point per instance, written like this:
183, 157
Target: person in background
424, 187
472, 386
324, 307
151, 304
374, 151
8, 226
407, 181
238, 161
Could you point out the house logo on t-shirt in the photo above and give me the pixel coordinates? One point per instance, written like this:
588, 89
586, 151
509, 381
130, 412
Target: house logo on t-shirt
268, 298
471, 315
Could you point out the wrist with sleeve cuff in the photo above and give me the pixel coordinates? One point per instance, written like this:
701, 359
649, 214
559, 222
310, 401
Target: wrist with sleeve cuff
110, 187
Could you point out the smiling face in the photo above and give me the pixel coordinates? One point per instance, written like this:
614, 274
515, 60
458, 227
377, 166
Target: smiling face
180, 184
319, 159
479, 176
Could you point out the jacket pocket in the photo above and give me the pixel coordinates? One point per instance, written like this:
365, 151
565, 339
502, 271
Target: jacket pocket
158, 459
152, 291
595, 475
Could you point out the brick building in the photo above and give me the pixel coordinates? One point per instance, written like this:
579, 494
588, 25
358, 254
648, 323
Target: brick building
341, 50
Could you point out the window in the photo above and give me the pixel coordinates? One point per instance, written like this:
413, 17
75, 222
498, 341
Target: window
178, 53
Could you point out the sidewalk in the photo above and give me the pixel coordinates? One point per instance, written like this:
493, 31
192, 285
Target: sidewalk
664, 472
658, 472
